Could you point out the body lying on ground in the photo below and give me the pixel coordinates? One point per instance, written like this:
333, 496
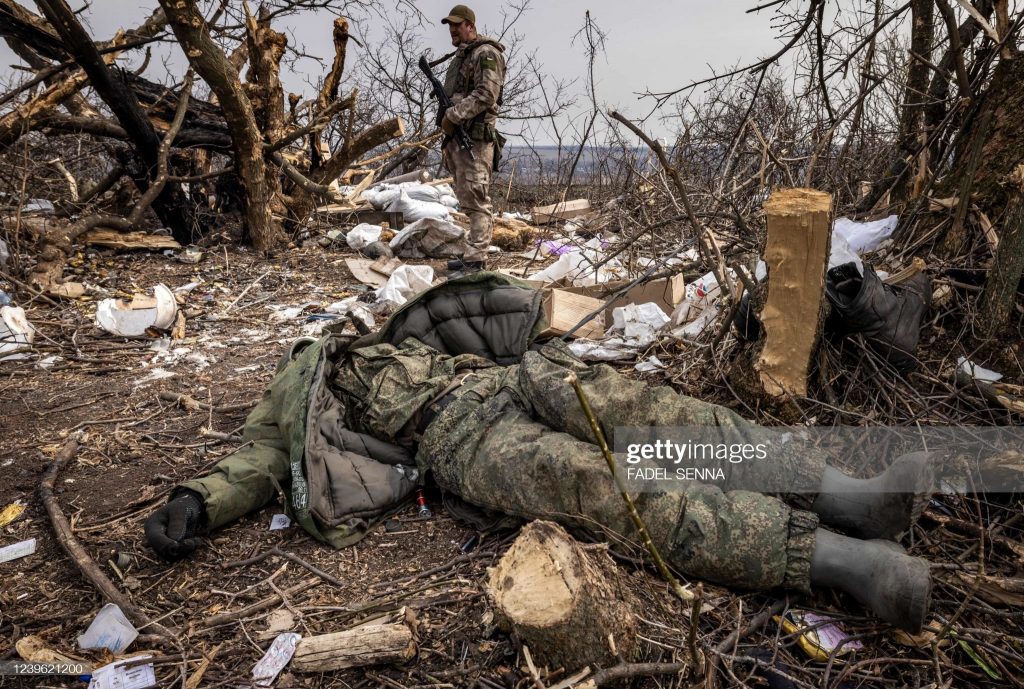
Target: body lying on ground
455, 388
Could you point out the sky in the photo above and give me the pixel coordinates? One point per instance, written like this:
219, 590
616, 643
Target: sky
650, 44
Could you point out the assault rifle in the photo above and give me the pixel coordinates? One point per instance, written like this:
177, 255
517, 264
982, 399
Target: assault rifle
443, 103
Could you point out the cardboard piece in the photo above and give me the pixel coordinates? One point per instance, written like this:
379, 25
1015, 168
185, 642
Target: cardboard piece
360, 269
564, 309
566, 210
666, 293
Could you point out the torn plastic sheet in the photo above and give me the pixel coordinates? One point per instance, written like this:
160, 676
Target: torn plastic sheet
639, 322
612, 349
650, 364
578, 266
406, 282
969, 368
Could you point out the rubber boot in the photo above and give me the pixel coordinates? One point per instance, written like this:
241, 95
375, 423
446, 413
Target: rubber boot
895, 586
468, 268
880, 507
888, 316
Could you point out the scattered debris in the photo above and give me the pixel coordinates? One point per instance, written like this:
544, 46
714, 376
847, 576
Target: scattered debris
110, 630
818, 636
135, 318
126, 673
650, 365
361, 270
11, 512
275, 659
16, 333
280, 521
18, 550
38, 207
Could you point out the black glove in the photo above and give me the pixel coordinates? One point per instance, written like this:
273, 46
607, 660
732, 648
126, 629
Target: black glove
171, 530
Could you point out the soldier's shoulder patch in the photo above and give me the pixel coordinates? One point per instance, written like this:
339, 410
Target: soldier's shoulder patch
488, 62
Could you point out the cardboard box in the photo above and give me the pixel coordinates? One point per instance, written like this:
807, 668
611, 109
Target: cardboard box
666, 293
564, 309
560, 211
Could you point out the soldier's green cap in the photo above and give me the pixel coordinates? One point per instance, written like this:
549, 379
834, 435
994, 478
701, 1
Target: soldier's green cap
459, 14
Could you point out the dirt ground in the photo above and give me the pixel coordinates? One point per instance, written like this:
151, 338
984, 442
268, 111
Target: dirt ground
137, 444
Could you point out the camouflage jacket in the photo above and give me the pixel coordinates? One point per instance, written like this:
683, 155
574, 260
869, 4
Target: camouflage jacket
474, 82
332, 433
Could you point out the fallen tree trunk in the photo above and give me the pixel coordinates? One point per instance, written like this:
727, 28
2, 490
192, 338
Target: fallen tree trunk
563, 600
373, 644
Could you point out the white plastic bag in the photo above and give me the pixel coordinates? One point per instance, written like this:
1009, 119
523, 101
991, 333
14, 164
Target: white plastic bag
406, 282
864, 236
15, 332
578, 267
362, 235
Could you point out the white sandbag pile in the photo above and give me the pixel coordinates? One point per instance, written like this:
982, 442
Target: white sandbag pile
430, 238
414, 200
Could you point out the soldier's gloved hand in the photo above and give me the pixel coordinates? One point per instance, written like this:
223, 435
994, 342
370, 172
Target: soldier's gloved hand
171, 530
447, 126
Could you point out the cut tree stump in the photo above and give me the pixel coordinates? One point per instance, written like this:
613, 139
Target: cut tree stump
373, 644
799, 237
563, 600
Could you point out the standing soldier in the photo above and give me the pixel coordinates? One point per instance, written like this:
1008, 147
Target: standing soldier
474, 82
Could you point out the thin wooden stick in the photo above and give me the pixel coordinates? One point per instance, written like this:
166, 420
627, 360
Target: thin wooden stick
673, 583
74, 549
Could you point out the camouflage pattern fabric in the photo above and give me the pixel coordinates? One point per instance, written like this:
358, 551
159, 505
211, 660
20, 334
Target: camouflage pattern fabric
474, 82
472, 189
515, 440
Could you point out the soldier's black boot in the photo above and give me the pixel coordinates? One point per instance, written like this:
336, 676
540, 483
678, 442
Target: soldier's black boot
468, 267
893, 585
455, 264
888, 316
880, 507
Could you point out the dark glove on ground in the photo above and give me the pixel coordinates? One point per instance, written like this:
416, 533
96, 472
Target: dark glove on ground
171, 530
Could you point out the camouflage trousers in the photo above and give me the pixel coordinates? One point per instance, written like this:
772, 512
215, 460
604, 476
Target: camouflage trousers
517, 441
472, 188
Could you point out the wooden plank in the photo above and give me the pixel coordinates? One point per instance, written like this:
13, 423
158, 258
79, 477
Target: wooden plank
560, 211
129, 240
564, 310
799, 234
369, 645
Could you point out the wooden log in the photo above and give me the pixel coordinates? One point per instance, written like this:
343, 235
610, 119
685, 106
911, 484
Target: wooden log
563, 600
799, 236
373, 644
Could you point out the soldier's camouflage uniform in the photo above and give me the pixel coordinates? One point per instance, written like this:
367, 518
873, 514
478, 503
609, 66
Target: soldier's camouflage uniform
474, 83
515, 440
